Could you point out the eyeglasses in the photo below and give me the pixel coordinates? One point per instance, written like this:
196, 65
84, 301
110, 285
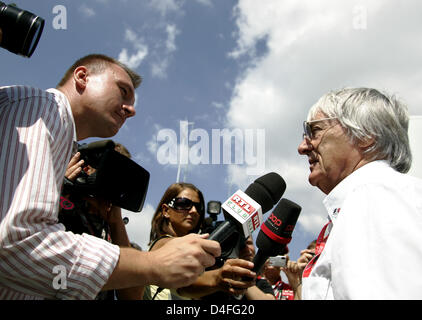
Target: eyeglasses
185, 204
307, 129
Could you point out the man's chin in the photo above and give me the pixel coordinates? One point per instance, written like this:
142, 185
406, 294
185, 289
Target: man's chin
313, 179
110, 132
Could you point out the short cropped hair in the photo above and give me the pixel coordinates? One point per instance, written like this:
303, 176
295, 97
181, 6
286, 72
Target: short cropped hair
367, 113
97, 63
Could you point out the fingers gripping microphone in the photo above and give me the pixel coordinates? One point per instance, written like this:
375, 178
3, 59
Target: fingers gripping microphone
243, 211
276, 232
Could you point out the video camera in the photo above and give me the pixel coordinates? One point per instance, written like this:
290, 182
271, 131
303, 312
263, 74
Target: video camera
231, 247
20, 30
117, 178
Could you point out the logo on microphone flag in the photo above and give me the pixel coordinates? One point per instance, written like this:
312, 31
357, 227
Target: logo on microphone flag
245, 210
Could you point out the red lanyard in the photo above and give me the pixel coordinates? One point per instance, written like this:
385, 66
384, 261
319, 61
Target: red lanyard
322, 239
320, 244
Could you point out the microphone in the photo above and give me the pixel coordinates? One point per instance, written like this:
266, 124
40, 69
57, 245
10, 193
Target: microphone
244, 210
276, 232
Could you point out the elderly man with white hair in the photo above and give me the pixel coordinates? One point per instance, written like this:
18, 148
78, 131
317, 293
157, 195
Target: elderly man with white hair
358, 149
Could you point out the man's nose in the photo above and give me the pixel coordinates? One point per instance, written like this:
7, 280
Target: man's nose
304, 147
129, 110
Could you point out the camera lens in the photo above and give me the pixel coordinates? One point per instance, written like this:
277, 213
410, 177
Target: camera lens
21, 30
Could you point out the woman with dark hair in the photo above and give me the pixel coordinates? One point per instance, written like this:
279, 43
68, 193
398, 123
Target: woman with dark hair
181, 211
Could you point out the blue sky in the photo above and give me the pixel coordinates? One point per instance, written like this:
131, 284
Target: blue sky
251, 66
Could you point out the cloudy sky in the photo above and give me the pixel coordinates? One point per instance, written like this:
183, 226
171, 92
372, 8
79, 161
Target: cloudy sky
213, 68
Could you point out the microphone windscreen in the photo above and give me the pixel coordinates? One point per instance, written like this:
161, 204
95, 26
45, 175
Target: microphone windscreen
260, 195
274, 184
277, 230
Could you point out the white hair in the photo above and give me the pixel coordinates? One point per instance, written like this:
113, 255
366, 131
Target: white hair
366, 114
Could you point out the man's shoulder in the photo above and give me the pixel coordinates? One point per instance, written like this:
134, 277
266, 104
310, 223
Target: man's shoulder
21, 92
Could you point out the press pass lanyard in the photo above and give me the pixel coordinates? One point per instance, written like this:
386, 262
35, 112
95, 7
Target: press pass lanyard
320, 244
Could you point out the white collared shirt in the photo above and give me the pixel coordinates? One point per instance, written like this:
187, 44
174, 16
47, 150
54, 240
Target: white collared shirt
38, 258
374, 250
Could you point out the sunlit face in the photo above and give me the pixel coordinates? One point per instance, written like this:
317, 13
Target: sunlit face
331, 154
183, 221
109, 100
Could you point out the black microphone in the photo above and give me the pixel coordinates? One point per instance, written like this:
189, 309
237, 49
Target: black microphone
276, 232
244, 210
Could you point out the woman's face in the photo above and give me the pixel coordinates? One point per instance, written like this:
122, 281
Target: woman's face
183, 221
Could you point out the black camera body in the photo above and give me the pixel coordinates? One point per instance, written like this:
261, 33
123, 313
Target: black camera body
230, 247
116, 179
20, 30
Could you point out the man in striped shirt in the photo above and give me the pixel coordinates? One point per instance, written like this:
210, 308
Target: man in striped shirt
38, 258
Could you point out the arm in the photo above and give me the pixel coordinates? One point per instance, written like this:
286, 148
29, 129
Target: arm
173, 265
294, 271
261, 291
228, 278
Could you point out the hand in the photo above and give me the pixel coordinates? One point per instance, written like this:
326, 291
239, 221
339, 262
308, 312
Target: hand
74, 167
235, 276
293, 273
181, 260
305, 256
294, 269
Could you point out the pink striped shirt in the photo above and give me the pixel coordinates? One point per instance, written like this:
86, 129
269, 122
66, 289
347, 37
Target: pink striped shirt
37, 131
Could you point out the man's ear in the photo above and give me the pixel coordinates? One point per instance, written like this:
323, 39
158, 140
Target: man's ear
365, 144
80, 75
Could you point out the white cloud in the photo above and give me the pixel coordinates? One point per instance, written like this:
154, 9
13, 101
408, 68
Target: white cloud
159, 67
166, 6
86, 11
152, 144
139, 47
139, 225
217, 105
207, 3
172, 32
299, 50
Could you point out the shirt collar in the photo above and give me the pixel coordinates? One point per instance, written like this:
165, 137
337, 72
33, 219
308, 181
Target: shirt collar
63, 99
334, 200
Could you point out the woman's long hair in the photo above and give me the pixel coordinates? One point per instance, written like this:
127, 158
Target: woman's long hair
159, 223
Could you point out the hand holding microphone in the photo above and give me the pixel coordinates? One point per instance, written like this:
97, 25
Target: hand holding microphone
275, 234
243, 210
